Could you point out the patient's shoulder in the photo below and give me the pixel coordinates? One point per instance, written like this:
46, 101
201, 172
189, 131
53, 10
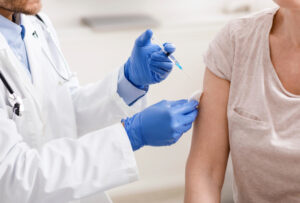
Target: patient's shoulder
233, 41
251, 25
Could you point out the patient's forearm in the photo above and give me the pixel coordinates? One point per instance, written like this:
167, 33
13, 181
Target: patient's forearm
204, 180
201, 189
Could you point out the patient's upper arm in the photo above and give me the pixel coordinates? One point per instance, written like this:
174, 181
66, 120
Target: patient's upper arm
210, 145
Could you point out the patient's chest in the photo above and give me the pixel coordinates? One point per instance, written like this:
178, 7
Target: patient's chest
285, 59
264, 131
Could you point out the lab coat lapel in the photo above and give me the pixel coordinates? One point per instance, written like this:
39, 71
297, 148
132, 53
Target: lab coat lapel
40, 60
34, 54
39, 54
33, 46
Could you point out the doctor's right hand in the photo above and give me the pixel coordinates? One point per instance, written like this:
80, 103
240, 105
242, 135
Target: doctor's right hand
148, 64
161, 124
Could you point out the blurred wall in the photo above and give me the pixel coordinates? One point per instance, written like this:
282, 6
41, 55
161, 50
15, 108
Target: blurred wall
190, 25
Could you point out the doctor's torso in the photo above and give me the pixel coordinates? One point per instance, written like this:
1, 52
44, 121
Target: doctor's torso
54, 151
48, 108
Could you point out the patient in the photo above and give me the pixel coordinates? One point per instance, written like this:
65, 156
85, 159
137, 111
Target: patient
251, 108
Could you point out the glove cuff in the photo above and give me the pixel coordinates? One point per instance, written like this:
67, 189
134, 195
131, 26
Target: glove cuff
132, 127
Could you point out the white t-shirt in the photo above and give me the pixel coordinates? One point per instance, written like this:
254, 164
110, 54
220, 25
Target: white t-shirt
263, 117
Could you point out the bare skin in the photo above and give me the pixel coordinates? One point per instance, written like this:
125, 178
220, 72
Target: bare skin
285, 48
9, 7
208, 157
210, 148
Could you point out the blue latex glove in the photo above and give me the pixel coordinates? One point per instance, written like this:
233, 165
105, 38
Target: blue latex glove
161, 124
148, 64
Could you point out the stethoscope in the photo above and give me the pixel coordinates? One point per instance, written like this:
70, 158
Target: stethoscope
15, 100
65, 74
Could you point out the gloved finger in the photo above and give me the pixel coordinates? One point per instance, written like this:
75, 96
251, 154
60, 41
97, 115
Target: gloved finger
167, 66
153, 48
160, 56
188, 107
186, 128
169, 48
178, 102
190, 118
158, 70
144, 39
163, 76
179, 134
171, 142
157, 78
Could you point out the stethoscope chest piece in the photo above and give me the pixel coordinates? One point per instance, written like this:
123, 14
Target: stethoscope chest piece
16, 104
14, 100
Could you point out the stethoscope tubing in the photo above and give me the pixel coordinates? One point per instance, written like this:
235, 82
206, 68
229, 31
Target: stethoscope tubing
51, 37
6, 84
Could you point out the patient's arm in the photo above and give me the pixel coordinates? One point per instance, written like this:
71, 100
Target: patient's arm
208, 157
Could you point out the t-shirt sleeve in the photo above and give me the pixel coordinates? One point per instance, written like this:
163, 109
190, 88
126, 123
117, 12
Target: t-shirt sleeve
220, 54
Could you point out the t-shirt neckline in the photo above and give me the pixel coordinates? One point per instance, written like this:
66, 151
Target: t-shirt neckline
270, 62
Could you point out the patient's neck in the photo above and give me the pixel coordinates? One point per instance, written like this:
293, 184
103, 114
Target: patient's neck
287, 24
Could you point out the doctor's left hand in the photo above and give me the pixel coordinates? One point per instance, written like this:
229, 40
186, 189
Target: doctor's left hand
148, 64
161, 124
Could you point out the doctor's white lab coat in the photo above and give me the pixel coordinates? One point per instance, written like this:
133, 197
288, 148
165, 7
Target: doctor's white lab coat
69, 142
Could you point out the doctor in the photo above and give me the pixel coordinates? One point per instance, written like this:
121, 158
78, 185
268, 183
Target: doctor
60, 142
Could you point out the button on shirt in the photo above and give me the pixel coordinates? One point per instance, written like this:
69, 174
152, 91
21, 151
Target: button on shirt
14, 35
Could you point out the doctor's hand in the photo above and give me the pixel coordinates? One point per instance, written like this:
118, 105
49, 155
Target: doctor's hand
148, 64
161, 124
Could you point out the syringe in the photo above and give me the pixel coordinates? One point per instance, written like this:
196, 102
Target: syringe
171, 56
